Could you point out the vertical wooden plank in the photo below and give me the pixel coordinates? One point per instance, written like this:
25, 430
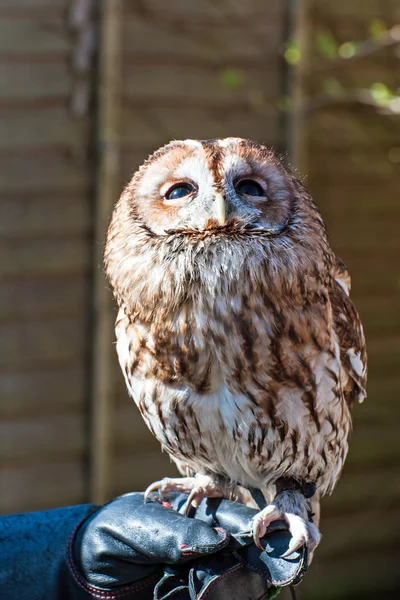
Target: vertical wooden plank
298, 74
108, 92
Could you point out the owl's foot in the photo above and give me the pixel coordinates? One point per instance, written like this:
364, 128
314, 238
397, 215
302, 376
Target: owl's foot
198, 488
290, 506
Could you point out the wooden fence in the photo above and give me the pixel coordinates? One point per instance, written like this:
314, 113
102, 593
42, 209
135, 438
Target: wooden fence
83, 100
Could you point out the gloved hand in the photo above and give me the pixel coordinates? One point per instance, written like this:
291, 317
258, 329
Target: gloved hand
131, 550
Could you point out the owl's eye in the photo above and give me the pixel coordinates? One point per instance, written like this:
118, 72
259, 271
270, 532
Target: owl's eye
250, 188
179, 190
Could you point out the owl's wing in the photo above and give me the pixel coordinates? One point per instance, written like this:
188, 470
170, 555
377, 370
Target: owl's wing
350, 334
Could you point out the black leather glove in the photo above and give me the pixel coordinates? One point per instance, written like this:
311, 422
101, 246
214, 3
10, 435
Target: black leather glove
131, 550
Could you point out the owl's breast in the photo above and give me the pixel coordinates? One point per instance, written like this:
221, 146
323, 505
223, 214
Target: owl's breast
200, 347
231, 436
222, 432
243, 393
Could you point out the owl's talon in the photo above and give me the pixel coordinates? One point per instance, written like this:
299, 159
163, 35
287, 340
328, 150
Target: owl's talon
167, 485
193, 498
295, 544
198, 488
300, 534
155, 486
261, 522
304, 533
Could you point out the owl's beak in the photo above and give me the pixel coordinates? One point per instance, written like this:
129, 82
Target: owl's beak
220, 210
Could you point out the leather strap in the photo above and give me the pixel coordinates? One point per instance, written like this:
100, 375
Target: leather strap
258, 497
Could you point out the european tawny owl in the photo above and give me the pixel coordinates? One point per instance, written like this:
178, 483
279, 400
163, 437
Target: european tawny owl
235, 331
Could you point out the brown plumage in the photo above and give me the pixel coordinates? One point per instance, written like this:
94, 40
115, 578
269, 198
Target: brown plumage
236, 334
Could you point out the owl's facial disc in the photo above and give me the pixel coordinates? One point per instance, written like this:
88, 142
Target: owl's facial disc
202, 186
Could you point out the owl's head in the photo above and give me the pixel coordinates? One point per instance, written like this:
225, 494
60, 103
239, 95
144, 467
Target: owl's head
198, 209
200, 186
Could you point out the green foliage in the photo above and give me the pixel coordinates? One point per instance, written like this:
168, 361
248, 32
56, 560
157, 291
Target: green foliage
333, 88
292, 53
231, 79
329, 48
381, 93
326, 44
377, 28
347, 50
273, 592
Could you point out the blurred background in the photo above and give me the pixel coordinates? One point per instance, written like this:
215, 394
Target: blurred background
87, 90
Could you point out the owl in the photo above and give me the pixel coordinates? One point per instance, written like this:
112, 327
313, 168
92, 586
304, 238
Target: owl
235, 334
